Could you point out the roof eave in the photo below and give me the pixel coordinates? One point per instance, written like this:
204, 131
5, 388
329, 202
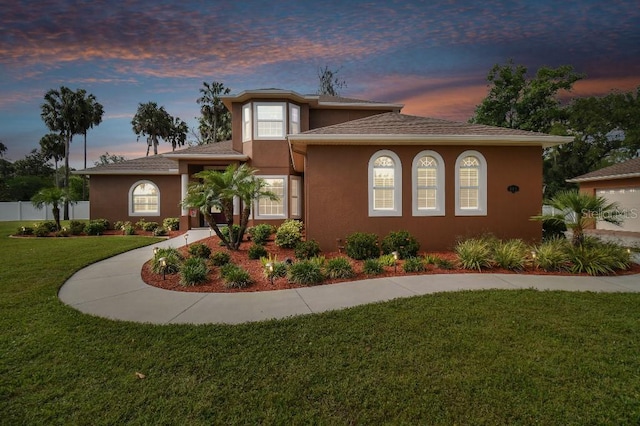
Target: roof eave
137, 172
378, 139
608, 177
222, 157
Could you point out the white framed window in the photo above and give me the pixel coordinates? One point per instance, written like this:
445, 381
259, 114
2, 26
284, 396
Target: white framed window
273, 209
428, 184
270, 119
471, 184
246, 122
144, 199
385, 184
294, 119
295, 197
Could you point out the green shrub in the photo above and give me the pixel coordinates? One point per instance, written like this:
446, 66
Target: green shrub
146, 226
193, 271
339, 267
95, 227
553, 229
171, 223
234, 276
372, 267
474, 253
220, 258
289, 234
173, 260
431, 259
158, 232
25, 230
199, 250
279, 268
256, 251
307, 249
444, 263
413, 264
401, 241
361, 246
49, 225
552, 255
104, 222
387, 260
42, 229
510, 254
306, 272
76, 227
260, 233
64, 232
597, 258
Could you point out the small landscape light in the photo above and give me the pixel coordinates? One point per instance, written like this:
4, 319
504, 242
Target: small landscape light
186, 240
155, 251
269, 267
163, 266
395, 261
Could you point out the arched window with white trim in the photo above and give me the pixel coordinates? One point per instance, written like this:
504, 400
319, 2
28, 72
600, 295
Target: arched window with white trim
144, 199
471, 184
428, 184
385, 184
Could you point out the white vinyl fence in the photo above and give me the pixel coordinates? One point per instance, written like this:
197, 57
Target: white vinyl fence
24, 210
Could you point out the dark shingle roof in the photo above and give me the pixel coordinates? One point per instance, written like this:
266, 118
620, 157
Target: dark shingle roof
163, 164
630, 168
393, 123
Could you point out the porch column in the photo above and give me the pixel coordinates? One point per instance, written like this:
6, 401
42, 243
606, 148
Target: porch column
184, 182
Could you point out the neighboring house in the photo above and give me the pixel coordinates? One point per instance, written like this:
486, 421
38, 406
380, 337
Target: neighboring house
618, 183
346, 165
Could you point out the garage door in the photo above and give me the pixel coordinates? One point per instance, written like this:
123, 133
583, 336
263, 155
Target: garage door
629, 201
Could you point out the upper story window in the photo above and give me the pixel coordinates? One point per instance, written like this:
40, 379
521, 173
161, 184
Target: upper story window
270, 119
294, 119
471, 184
428, 184
144, 199
246, 123
385, 184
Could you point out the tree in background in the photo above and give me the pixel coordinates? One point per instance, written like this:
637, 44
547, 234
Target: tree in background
3, 149
107, 158
329, 83
177, 133
518, 102
91, 113
215, 118
156, 123
52, 148
20, 180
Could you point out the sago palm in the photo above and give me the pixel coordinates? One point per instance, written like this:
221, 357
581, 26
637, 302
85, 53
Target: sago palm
580, 210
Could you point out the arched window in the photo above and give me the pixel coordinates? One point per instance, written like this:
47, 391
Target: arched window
144, 199
471, 184
385, 184
428, 184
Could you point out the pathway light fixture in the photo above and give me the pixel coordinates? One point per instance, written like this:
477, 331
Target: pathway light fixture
163, 266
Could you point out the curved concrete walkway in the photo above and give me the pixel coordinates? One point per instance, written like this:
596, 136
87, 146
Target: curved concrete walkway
114, 289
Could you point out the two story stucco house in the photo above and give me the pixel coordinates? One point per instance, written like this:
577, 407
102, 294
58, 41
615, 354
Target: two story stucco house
344, 165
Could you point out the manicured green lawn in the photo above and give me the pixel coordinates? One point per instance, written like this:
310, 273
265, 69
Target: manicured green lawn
489, 357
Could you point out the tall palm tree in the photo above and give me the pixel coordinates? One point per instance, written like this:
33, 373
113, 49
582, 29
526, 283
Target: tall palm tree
214, 114
580, 210
218, 189
178, 133
52, 148
91, 112
60, 112
153, 122
52, 196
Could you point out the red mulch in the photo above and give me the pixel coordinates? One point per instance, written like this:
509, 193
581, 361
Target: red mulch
262, 283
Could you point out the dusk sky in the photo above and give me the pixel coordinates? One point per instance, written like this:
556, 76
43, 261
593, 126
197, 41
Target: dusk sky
432, 56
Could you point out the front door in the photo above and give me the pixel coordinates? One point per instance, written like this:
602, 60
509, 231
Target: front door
218, 216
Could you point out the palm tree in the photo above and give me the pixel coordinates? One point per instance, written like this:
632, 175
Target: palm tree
91, 113
60, 113
214, 113
154, 122
52, 148
219, 189
52, 196
178, 133
579, 210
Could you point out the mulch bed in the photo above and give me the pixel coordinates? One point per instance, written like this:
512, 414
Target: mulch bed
262, 283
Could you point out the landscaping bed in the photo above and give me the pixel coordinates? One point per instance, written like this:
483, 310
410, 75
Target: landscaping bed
261, 282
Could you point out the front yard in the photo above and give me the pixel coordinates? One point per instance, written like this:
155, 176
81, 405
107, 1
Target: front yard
488, 357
